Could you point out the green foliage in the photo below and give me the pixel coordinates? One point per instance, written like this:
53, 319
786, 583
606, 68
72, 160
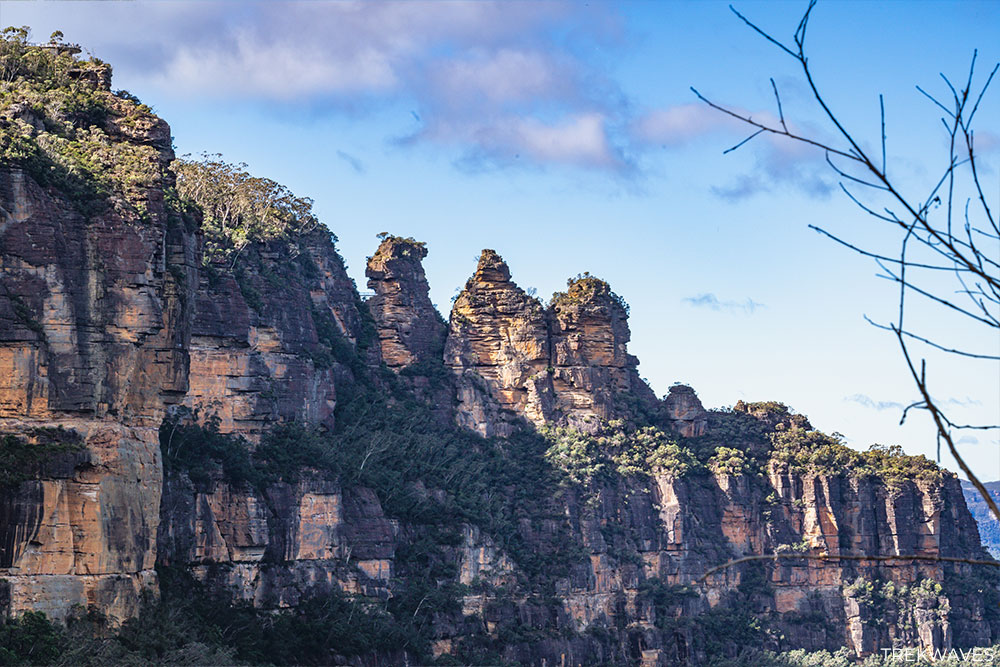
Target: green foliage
387, 441
816, 452
65, 132
240, 209
30, 639
201, 452
892, 603
615, 448
191, 625
585, 288
667, 600
24, 455
729, 461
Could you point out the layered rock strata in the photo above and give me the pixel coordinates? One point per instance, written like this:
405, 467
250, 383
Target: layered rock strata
263, 336
515, 360
94, 306
498, 350
410, 330
109, 320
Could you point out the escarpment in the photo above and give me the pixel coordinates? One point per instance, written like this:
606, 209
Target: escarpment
95, 295
182, 399
265, 336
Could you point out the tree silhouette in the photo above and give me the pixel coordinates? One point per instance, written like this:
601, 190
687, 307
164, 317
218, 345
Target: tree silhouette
948, 239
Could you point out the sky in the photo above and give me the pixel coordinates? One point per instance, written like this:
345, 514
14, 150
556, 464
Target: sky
567, 137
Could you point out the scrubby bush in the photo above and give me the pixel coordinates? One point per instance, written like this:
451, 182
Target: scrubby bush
240, 208
615, 448
23, 455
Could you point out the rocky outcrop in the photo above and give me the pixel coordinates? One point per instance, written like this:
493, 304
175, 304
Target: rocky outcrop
684, 411
498, 350
515, 360
591, 367
410, 330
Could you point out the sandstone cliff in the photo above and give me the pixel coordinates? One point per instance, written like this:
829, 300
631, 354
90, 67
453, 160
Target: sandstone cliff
264, 336
410, 330
325, 447
94, 306
514, 359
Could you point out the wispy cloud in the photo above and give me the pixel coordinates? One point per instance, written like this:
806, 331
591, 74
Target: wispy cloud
355, 163
712, 302
780, 162
967, 440
868, 402
498, 84
966, 402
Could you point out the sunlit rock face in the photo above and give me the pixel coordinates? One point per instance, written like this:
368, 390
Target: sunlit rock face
591, 367
94, 314
410, 330
516, 361
109, 321
498, 350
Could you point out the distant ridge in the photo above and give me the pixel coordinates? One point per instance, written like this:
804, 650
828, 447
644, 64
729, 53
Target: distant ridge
989, 527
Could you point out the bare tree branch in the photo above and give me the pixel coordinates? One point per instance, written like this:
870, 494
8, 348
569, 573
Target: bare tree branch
975, 293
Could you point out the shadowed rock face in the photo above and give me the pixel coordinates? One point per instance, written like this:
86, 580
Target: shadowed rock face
410, 330
94, 337
261, 337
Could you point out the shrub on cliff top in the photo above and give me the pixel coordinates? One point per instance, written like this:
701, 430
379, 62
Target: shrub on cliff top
583, 288
240, 208
813, 451
65, 131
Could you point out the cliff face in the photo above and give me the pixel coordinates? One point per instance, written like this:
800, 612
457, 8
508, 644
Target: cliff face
262, 336
410, 330
93, 338
515, 360
590, 549
498, 351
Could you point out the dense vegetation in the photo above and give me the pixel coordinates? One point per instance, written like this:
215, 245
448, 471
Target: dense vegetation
616, 448
24, 455
239, 208
190, 625
62, 127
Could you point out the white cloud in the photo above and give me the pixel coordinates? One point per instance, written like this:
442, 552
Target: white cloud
780, 161
712, 302
577, 139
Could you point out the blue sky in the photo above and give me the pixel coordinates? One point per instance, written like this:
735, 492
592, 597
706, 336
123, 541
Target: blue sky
565, 136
